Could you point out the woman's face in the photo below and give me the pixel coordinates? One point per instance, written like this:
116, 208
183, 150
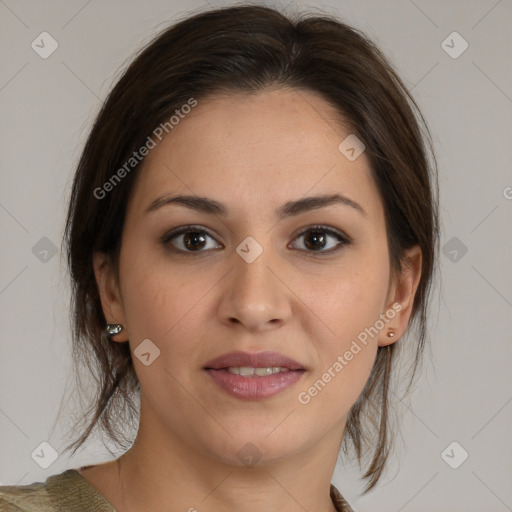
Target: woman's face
256, 277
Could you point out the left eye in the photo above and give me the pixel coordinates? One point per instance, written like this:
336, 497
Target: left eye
193, 239
316, 239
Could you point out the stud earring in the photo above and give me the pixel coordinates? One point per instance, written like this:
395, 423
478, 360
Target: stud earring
113, 329
390, 334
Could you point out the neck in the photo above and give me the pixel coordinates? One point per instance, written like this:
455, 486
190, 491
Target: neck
162, 472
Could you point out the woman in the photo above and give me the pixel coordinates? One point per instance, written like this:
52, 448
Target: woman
252, 229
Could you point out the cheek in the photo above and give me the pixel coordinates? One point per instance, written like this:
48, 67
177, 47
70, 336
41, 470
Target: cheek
352, 301
163, 304
350, 308
159, 297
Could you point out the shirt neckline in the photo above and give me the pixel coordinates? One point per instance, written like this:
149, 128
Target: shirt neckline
336, 497
106, 506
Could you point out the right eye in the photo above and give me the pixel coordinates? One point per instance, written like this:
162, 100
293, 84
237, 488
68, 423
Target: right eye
187, 239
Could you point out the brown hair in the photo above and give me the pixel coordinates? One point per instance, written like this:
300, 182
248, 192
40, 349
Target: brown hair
247, 49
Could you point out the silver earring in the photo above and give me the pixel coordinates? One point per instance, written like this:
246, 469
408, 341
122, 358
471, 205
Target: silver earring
113, 329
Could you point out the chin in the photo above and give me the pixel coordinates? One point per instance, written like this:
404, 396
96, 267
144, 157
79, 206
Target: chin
255, 448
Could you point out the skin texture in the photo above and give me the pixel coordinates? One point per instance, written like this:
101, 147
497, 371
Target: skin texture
252, 153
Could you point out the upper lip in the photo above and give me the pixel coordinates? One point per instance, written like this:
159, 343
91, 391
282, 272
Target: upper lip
254, 360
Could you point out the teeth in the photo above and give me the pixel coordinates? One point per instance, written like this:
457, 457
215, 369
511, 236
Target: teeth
261, 372
248, 371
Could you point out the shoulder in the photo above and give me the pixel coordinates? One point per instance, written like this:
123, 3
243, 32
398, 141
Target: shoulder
65, 491
32, 497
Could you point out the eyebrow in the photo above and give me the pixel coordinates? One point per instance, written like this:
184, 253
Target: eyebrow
289, 209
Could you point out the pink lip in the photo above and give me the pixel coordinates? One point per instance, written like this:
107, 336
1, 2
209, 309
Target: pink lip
254, 388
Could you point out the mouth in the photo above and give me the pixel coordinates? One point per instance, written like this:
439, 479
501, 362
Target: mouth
249, 371
253, 360
254, 376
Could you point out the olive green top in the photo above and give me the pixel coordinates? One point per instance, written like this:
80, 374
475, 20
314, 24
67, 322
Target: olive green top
69, 491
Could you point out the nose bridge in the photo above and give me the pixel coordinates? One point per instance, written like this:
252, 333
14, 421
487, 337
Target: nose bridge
254, 295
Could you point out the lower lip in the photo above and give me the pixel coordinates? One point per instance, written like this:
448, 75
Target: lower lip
254, 388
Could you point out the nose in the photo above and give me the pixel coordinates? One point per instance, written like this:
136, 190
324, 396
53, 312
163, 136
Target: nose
254, 295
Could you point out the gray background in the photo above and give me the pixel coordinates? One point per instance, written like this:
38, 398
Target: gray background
464, 393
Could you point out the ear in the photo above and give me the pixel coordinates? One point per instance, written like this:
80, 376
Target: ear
401, 297
110, 297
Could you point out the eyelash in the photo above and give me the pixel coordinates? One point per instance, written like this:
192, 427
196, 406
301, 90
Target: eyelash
343, 239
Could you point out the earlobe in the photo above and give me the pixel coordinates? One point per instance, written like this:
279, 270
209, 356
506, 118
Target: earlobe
388, 336
108, 289
401, 299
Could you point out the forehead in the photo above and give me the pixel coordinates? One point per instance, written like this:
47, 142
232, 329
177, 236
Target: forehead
256, 150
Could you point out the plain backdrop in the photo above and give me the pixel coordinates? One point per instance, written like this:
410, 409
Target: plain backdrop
454, 452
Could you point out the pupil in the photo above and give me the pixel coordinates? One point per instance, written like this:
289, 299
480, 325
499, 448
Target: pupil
317, 236
191, 239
